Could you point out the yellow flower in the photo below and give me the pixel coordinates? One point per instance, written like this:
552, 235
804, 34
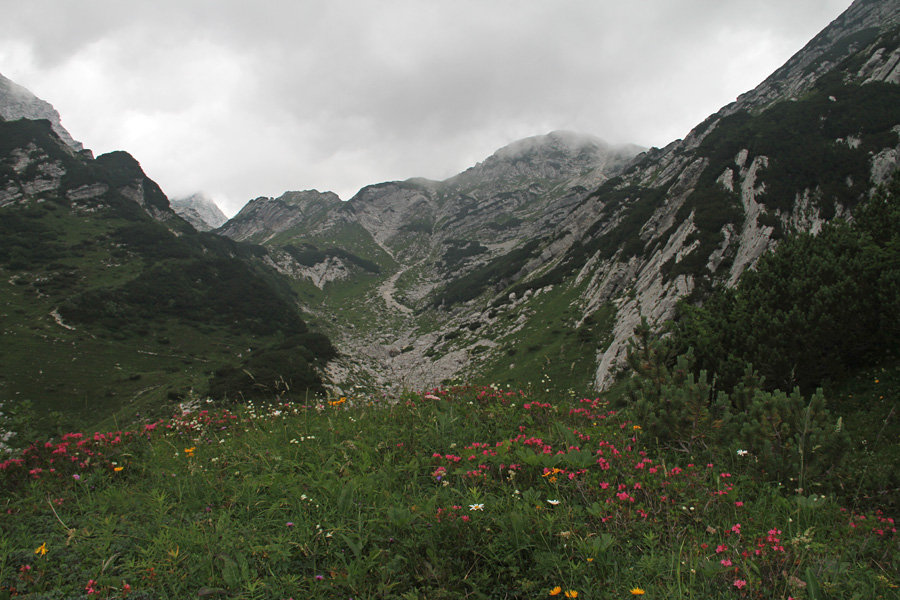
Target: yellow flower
117, 469
637, 592
555, 591
637, 427
190, 451
571, 594
42, 550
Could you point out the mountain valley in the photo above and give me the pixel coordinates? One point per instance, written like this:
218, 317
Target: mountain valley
533, 266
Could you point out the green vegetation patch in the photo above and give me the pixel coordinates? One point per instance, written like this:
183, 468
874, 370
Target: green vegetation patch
309, 256
494, 277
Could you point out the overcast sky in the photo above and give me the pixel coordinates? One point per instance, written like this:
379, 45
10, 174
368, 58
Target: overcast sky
243, 99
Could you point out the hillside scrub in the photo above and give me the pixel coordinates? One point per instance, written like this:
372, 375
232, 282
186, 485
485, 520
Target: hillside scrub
815, 307
464, 492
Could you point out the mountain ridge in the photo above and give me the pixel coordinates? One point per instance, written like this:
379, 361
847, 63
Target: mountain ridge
665, 225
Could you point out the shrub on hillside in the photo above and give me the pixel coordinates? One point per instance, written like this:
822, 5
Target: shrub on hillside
791, 437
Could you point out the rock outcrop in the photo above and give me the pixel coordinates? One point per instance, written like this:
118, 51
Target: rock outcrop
16, 102
200, 211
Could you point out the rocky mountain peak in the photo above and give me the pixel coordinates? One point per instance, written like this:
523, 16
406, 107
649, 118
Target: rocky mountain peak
200, 211
556, 155
264, 217
16, 102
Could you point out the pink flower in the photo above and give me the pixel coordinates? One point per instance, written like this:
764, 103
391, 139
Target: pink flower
739, 583
737, 529
738, 503
725, 562
721, 548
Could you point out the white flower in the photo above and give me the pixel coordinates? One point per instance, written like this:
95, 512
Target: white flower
553, 502
476, 507
741, 452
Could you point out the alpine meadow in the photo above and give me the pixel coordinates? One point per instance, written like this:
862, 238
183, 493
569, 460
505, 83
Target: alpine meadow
576, 369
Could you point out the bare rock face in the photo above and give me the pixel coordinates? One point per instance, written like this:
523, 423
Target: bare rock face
200, 211
16, 102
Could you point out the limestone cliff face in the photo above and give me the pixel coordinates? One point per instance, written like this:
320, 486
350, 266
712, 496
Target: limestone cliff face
16, 102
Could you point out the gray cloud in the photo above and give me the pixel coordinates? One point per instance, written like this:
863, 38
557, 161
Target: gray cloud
242, 100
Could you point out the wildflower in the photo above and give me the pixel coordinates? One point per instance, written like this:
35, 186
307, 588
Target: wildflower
725, 562
42, 549
636, 428
741, 452
571, 594
289, 524
190, 451
637, 591
555, 591
739, 583
553, 502
76, 476
117, 469
476, 507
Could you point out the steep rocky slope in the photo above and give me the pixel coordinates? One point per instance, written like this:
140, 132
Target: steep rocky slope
16, 102
805, 146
